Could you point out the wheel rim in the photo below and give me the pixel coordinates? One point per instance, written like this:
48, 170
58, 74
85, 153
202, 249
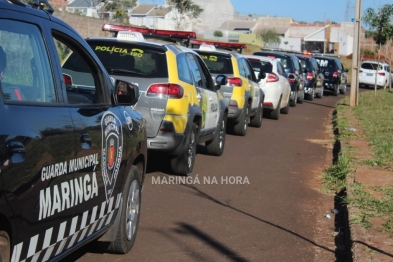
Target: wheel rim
133, 202
191, 151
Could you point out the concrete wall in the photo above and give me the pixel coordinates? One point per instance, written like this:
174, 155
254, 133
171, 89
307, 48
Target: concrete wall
86, 26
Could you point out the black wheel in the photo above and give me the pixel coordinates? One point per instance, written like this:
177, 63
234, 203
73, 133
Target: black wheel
256, 121
301, 99
285, 110
129, 221
335, 91
343, 91
311, 96
216, 146
5, 246
184, 163
320, 95
293, 101
275, 114
240, 128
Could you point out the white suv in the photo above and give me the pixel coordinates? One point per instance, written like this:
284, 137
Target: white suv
368, 71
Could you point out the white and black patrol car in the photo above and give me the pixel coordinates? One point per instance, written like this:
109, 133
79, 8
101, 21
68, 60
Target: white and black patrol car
72, 148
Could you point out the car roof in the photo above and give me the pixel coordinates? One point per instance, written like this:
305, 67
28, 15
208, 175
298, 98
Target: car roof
164, 46
375, 62
217, 51
264, 58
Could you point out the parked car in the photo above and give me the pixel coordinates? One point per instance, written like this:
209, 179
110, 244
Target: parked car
179, 99
293, 72
313, 76
372, 72
242, 92
334, 72
271, 75
72, 149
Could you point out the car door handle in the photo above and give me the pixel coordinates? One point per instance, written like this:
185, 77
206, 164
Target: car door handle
17, 151
85, 140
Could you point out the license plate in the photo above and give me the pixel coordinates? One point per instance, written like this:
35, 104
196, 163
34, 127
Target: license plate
369, 74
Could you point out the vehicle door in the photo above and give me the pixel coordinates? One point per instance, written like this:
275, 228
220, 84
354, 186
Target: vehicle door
36, 141
317, 72
255, 90
209, 100
98, 135
298, 72
285, 87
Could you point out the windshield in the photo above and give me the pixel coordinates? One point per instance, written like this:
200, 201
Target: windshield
126, 58
217, 64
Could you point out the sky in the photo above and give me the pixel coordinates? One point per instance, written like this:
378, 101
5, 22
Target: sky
301, 10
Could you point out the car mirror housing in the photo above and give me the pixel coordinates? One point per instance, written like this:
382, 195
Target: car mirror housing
262, 75
126, 93
221, 80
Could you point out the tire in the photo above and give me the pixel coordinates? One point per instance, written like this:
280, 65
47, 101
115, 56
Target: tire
240, 128
301, 100
335, 91
256, 121
183, 163
215, 147
5, 246
130, 213
293, 102
311, 96
343, 91
275, 114
320, 95
285, 110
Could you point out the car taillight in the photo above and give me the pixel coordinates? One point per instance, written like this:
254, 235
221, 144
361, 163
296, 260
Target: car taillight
335, 74
310, 76
67, 79
291, 78
272, 77
381, 73
360, 71
236, 81
168, 89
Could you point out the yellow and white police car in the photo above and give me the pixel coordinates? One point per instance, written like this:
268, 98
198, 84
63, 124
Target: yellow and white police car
72, 149
178, 97
242, 92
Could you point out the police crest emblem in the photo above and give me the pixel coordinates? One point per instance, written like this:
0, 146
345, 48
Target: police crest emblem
112, 146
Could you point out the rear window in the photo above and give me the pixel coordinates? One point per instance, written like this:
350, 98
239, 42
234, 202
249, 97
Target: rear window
261, 66
139, 60
285, 60
370, 66
326, 63
217, 64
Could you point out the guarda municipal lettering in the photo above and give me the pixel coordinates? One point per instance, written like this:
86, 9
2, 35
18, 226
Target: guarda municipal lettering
58, 198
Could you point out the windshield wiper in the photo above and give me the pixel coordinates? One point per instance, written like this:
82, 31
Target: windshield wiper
114, 70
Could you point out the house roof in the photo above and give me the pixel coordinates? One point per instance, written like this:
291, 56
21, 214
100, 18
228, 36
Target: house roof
149, 10
232, 24
84, 3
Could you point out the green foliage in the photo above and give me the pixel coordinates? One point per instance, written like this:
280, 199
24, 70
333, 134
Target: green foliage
185, 11
120, 14
218, 33
269, 36
380, 22
118, 4
366, 51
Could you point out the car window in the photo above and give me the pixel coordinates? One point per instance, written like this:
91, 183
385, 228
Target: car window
247, 69
370, 66
205, 72
296, 63
242, 69
183, 69
28, 75
327, 63
217, 64
314, 64
280, 69
81, 80
200, 80
140, 60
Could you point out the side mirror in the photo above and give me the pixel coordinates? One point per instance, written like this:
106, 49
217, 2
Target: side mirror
346, 70
262, 75
126, 93
221, 80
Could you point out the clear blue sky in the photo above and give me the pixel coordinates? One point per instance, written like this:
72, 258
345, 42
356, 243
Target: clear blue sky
300, 10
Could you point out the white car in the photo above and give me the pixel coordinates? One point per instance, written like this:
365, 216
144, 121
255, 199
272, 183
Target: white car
368, 71
273, 83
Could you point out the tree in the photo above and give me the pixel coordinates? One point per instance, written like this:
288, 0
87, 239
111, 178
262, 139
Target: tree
117, 6
380, 22
218, 33
269, 36
184, 12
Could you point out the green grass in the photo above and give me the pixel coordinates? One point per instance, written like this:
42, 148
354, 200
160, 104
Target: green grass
375, 120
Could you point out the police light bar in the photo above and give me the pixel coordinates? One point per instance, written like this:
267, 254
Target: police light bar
131, 36
222, 45
170, 35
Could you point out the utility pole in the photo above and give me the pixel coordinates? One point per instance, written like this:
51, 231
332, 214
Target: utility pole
354, 95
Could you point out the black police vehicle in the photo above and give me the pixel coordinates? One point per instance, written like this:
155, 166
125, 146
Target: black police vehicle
313, 86
293, 72
335, 75
72, 148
